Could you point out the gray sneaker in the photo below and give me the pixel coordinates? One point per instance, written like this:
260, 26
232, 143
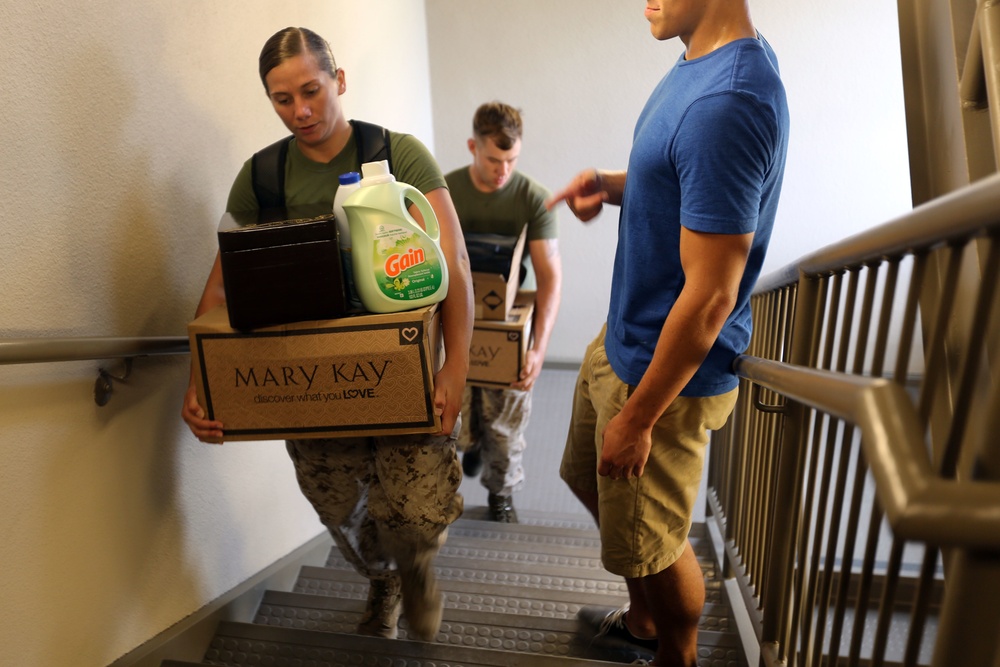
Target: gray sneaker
381, 616
422, 603
605, 626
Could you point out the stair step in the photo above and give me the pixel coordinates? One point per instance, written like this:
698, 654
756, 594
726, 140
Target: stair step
544, 634
244, 644
534, 517
489, 576
546, 550
559, 546
495, 590
278, 607
511, 595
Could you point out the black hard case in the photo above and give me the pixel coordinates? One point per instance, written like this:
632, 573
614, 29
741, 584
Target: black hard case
281, 266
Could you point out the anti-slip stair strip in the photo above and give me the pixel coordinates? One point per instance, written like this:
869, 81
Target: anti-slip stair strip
493, 548
485, 591
533, 571
486, 595
547, 539
519, 573
527, 569
245, 645
546, 635
580, 520
342, 614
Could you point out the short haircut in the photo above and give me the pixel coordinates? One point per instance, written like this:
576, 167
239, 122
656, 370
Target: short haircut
498, 121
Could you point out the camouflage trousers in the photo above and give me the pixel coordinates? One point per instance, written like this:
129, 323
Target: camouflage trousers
386, 501
494, 420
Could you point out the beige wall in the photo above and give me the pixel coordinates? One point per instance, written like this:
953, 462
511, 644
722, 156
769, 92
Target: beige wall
582, 69
123, 126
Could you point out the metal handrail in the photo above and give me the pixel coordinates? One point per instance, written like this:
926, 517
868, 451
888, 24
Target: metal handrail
46, 350
951, 218
35, 350
918, 504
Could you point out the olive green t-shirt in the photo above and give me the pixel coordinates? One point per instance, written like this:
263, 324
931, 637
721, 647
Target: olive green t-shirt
520, 202
308, 182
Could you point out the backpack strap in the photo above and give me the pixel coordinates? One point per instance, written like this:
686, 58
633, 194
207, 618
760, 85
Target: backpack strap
372, 142
267, 167
267, 172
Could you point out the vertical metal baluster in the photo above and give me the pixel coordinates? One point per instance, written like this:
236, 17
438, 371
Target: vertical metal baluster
887, 603
773, 434
906, 340
935, 347
760, 473
830, 304
820, 527
970, 368
781, 599
752, 507
861, 468
847, 443
934, 368
975, 347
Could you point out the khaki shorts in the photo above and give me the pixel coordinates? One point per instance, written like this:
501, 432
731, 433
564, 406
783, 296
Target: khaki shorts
644, 522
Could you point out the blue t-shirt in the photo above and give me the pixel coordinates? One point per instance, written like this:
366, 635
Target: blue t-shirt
708, 154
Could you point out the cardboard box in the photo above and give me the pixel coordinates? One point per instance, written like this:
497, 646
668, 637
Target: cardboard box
361, 375
498, 349
281, 266
495, 291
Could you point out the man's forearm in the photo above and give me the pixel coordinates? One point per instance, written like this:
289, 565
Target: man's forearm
613, 184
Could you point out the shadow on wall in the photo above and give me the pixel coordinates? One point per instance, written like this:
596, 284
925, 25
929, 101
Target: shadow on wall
104, 553
140, 234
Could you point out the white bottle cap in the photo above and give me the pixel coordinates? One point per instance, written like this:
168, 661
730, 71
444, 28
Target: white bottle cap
376, 172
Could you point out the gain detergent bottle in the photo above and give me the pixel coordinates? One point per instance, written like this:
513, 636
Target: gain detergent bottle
397, 264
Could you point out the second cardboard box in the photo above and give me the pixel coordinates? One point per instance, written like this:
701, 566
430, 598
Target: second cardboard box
498, 349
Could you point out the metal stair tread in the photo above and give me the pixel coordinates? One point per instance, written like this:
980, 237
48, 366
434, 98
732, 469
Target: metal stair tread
239, 644
534, 571
552, 539
460, 623
327, 581
507, 597
476, 519
581, 520
520, 539
511, 595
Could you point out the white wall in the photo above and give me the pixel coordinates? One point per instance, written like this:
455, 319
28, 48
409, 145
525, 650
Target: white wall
123, 126
582, 69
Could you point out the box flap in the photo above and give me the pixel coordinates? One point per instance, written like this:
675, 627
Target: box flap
495, 292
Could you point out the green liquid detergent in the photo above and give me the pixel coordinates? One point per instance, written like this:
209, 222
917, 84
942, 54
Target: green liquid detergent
397, 264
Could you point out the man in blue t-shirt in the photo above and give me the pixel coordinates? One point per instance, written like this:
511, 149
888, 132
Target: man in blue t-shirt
698, 201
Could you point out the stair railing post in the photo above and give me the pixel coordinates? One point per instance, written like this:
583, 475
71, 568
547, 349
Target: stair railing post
967, 626
776, 592
967, 629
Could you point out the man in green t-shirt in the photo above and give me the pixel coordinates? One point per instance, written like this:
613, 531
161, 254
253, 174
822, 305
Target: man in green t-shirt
491, 197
